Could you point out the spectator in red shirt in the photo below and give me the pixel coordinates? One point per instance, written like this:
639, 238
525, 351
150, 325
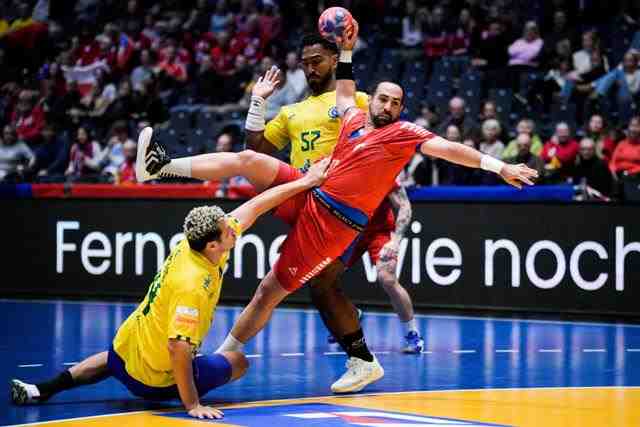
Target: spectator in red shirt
28, 118
626, 157
124, 47
127, 170
270, 22
88, 48
250, 42
559, 153
181, 54
172, 67
223, 54
597, 131
460, 37
436, 43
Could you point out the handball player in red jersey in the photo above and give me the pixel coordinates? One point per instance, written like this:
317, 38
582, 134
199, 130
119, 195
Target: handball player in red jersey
372, 148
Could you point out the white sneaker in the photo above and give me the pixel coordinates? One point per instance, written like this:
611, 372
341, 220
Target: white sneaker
360, 374
150, 158
23, 393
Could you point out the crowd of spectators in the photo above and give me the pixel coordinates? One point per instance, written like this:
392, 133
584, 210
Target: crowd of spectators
80, 78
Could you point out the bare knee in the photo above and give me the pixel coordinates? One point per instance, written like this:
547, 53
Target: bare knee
248, 158
239, 363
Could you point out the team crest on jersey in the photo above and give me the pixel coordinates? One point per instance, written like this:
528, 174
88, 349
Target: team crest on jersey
333, 112
329, 415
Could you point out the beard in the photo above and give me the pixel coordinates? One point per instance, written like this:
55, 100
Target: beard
319, 84
382, 119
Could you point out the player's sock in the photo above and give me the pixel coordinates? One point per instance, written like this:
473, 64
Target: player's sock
231, 344
178, 167
355, 345
63, 381
409, 326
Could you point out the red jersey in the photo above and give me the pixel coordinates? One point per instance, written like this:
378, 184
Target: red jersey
364, 167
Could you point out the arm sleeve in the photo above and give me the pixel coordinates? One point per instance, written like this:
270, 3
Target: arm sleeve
362, 101
276, 131
409, 138
235, 225
185, 315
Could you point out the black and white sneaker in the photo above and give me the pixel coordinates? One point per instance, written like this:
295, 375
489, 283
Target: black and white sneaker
151, 157
23, 393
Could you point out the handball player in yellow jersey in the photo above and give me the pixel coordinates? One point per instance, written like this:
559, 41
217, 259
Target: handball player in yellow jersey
154, 351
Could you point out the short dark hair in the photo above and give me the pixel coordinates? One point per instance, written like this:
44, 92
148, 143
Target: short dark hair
374, 87
312, 39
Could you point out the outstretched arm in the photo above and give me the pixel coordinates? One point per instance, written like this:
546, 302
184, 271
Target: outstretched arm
255, 123
345, 84
470, 157
248, 212
180, 354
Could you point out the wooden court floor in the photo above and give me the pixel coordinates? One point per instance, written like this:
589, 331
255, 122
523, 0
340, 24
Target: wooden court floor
475, 371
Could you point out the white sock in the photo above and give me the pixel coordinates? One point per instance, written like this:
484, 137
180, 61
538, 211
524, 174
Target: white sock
180, 167
410, 325
230, 344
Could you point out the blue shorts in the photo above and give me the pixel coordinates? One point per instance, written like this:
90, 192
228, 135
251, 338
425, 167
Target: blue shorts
209, 372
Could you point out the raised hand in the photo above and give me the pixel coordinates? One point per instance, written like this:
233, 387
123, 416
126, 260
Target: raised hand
349, 37
518, 174
267, 84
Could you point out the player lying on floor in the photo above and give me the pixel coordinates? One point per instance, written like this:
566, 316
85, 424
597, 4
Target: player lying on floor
154, 352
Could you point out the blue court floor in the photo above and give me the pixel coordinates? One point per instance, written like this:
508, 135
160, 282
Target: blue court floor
291, 357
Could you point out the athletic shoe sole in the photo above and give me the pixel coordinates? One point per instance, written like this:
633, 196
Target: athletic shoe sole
359, 386
144, 139
414, 350
19, 394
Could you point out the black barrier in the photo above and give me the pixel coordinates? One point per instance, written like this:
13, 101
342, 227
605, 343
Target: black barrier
534, 257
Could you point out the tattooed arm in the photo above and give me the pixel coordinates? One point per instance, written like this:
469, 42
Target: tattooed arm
400, 201
389, 252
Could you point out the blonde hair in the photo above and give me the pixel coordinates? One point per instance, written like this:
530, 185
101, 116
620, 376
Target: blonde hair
201, 226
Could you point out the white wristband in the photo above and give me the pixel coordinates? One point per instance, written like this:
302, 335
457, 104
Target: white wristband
345, 56
489, 163
255, 115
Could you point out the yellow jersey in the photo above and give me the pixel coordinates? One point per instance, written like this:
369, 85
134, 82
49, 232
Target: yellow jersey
311, 126
180, 304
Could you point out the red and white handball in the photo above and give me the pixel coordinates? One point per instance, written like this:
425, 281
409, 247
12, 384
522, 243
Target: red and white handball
333, 22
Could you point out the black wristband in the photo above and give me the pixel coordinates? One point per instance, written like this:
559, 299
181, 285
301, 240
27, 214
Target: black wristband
344, 71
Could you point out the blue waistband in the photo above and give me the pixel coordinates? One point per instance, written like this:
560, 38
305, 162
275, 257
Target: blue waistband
353, 217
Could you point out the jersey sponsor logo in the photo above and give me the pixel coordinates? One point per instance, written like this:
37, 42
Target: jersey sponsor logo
207, 282
333, 112
187, 311
359, 146
315, 270
293, 270
186, 320
328, 415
